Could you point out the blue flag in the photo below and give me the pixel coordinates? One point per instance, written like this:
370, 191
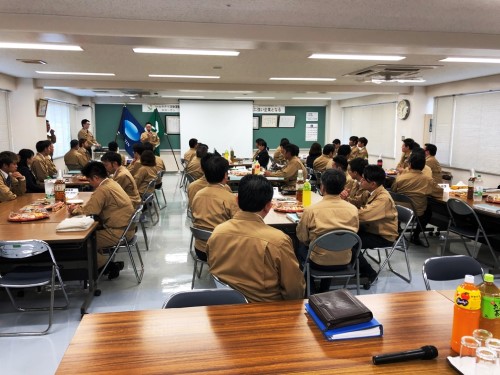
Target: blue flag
130, 129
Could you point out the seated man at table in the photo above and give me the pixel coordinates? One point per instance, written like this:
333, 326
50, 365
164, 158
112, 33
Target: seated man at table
318, 219
378, 219
113, 208
344, 150
191, 153
194, 166
324, 161
406, 148
135, 164
73, 159
279, 154
432, 162
289, 172
251, 256
146, 173
83, 148
12, 183
113, 147
417, 187
340, 163
160, 165
195, 186
356, 195
112, 162
42, 167
261, 155
213, 204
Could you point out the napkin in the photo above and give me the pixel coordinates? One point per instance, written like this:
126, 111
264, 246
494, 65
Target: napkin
75, 224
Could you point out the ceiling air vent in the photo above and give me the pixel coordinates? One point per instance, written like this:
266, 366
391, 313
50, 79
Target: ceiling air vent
389, 71
32, 61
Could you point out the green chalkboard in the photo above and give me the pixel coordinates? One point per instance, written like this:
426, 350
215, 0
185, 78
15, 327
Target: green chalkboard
107, 118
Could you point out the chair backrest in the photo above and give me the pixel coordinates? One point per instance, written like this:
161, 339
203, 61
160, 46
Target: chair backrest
462, 214
405, 215
402, 198
134, 220
204, 297
159, 178
219, 284
452, 267
189, 178
200, 234
149, 190
22, 249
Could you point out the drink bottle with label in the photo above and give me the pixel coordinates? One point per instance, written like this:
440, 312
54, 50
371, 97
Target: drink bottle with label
490, 306
257, 167
466, 311
299, 185
60, 188
306, 194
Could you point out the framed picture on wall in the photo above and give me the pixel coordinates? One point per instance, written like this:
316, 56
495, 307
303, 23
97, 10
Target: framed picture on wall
269, 121
255, 123
173, 124
287, 122
41, 108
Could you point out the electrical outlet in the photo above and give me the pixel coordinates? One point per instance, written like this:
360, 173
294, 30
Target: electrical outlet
403, 137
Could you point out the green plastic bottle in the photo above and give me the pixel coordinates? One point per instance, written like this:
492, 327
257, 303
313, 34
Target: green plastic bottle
490, 306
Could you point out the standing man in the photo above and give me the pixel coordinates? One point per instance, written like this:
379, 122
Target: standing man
87, 135
150, 136
252, 257
51, 135
353, 143
432, 162
12, 183
42, 167
293, 165
112, 163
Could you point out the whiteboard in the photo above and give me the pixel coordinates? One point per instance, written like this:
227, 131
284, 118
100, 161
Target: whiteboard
173, 124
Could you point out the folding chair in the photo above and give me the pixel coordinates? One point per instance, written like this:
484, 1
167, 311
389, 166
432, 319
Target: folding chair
123, 242
219, 284
204, 297
182, 180
405, 217
203, 235
337, 240
148, 201
159, 188
31, 276
465, 222
189, 179
449, 268
402, 198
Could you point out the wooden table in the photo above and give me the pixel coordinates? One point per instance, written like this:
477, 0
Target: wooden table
75, 251
260, 338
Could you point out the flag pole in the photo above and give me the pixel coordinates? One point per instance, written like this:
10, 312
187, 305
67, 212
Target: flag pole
119, 124
172, 150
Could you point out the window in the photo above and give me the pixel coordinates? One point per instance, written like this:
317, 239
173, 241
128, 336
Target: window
377, 123
5, 143
60, 115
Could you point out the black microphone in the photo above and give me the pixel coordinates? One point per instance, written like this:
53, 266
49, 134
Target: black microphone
425, 352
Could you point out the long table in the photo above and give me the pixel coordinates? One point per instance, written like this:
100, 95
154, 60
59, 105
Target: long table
259, 338
75, 251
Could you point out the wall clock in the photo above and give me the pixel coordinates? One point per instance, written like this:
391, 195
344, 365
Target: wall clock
403, 109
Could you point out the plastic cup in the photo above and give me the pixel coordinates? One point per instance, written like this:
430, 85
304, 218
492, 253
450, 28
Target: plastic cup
49, 189
486, 361
468, 347
494, 344
482, 335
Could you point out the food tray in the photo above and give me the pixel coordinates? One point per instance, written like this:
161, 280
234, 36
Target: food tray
288, 207
24, 217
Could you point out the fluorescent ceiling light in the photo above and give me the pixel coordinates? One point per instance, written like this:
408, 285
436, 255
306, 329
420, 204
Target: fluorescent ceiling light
254, 97
334, 56
43, 46
181, 76
183, 96
378, 81
221, 91
472, 60
76, 73
301, 79
197, 52
310, 98
132, 96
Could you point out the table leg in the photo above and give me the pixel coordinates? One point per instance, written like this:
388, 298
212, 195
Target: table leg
92, 271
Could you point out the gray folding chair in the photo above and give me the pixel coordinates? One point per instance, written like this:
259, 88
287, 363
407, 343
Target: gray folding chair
31, 276
402, 198
182, 181
158, 189
337, 240
203, 235
189, 179
148, 201
124, 243
465, 222
447, 268
405, 217
219, 284
204, 297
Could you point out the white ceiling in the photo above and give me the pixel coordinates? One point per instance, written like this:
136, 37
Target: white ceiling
275, 37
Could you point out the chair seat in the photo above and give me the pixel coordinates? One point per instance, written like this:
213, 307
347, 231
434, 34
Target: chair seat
471, 233
26, 280
349, 271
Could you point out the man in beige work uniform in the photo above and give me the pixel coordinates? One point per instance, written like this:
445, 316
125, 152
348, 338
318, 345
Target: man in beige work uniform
42, 167
112, 163
289, 172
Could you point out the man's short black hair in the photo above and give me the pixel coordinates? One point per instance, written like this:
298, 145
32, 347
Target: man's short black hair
73, 143
333, 180
284, 142
201, 150
138, 147
95, 169
215, 169
42, 145
254, 192
431, 148
82, 141
354, 139
344, 150
205, 159
417, 159
84, 121
374, 173
358, 165
261, 142
148, 123
193, 142
336, 141
148, 158
292, 149
363, 140
112, 156
328, 149
410, 143
7, 158
341, 161
148, 146
113, 146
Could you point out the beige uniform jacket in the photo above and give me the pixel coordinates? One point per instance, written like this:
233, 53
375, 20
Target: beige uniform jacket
150, 137
331, 213
160, 165
354, 153
88, 136
189, 154
75, 160
134, 166
85, 154
255, 259
404, 162
194, 187
278, 157
211, 206
42, 167
435, 167
143, 177
194, 168
349, 181
357, 195
417, 187
379, 216
322, 162
362, 153
289, 172
123, 177
113, 207
16, 188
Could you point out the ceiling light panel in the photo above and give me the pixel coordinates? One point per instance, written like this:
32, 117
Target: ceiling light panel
301, 79
76, 73
182, 76
196, 52
333, 56
40, 46
472, 60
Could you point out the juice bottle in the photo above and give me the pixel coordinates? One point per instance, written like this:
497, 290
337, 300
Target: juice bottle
490, 306
257, 167
306, 194
466, 311
299, 185
60, 188
470, 187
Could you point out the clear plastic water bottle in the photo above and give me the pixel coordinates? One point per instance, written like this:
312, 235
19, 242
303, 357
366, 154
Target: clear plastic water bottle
478, 189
